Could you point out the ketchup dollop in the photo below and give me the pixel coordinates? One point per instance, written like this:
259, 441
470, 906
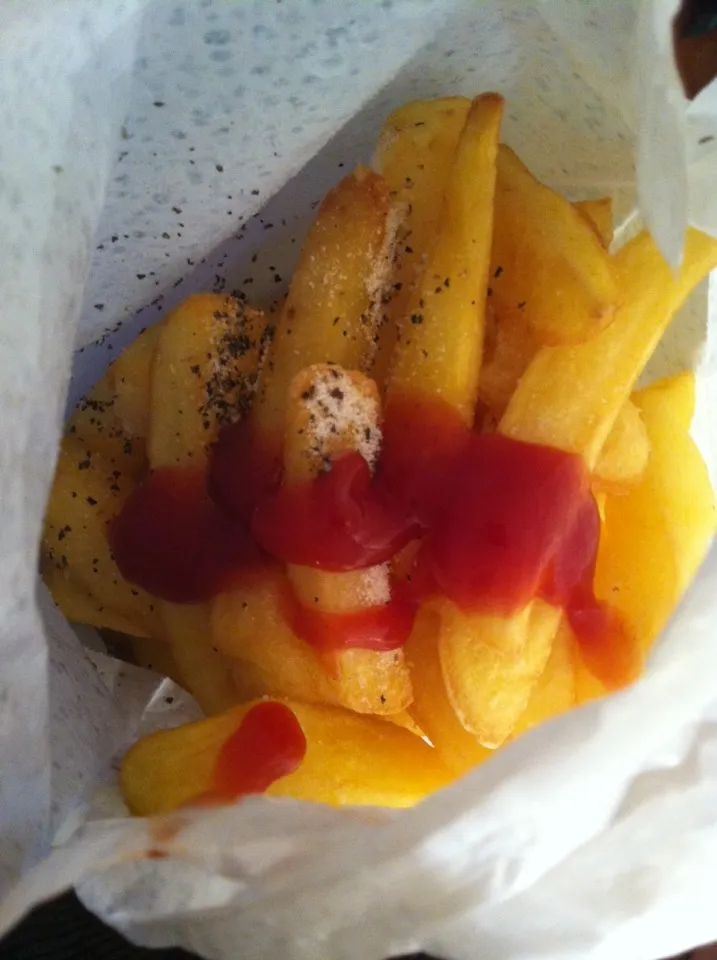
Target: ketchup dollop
498, 522
268, 744
173, 540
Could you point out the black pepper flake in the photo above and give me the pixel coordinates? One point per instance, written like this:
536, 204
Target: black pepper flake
83, 465
490, 291
92, 502
708, 139
447, 282
169, 700
383, 699
99, 306
498, 272
337, 394
158, 103
408, 249
196, 369
255, 193
416, 319
522, 305
309, 394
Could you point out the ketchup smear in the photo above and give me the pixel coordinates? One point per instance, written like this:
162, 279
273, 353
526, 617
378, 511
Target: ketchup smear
268, 744
499, 522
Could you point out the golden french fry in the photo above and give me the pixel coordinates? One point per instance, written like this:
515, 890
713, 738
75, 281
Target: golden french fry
349, 760
623, 459
547, 260
414, 154
249, 625
547, 406
129, 377
431, 708
332, 309
96, 425
441, 335
655, 536
204, 671
332, 411
87, 492
203, 373
510, 346
488, 683
555, 691
598, 213
78, 604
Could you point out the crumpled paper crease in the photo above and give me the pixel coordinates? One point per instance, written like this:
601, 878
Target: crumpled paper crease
155, 147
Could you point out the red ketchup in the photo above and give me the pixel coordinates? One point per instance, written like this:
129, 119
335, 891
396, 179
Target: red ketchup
268, 744
499, 522
171, 539
385, 627
338, 521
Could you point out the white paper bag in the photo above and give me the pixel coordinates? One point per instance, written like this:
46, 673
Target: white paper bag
148, 148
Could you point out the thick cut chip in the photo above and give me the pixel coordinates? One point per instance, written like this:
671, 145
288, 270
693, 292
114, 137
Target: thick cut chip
78, 604
655, 536
510, 345
96, 424
547, 260
332, 411
130, 377
555, 691
204, 373
431, 708
204, 671
570, 396
488, 685
414, 154
598, 213
623, 459
87, 492
249, 625
332, 310
441, 335
349, 760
